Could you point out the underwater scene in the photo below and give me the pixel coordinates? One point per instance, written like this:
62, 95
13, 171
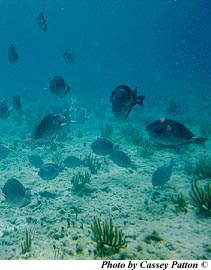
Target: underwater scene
105, 119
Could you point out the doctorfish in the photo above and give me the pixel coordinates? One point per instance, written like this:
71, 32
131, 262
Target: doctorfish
49, 128
123, 99
15, 193
41, 22
13, 54
16, 103
59, 87
171, 133
4, 110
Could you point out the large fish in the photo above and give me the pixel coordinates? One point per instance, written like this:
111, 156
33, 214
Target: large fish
13, 54
15, 193
4, 110
49, 128
102, 147
59, 87
123, 99
171, 133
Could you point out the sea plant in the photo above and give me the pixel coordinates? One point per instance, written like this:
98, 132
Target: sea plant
147, 147
93, 163
201, 197
106, 130
107, 236
201, 169
27, 244
131, 134
180, 202
80, 179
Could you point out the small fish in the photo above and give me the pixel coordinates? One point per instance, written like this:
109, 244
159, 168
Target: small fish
4, 110
49, 128
35, 161
72, 162
13, 55
15, 193
4, 150
16, 102
172, 109
48, 171
42, 23
162, 174
59, 87
102, 147
171, 133
121, 159
68, 57
123, 99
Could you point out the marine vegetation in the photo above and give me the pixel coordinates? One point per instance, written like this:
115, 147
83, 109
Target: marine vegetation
154, 236
92, 163
131, 135
27, 244
80, 179
109, 238
180, 202
201, 169
147, 147
201, 197
106, 130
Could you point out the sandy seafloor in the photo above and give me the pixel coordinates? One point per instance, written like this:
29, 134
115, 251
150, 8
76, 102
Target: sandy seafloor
124, 194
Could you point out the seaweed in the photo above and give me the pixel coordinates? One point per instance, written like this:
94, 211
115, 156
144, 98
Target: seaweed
27, 244
180, 202
107, 235
92, 163
201, 197
131, 135
106, 130
202, 169
80, 179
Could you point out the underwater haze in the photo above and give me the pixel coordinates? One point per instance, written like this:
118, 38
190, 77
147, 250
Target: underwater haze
105, 109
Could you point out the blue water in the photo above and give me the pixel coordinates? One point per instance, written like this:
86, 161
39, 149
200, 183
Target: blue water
162, 47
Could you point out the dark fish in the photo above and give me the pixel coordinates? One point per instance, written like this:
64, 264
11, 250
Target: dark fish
172, 109
49, 127
123, 99
4, 110
171, 133
42, 23
121, 159
162, 175
13, 55
59, 87
48, 171
35, 160
15, 193
68, 57
102, 147
72, 162
4, 150
16, 102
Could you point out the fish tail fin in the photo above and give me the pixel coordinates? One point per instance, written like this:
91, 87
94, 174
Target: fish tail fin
140, 100
200, 140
